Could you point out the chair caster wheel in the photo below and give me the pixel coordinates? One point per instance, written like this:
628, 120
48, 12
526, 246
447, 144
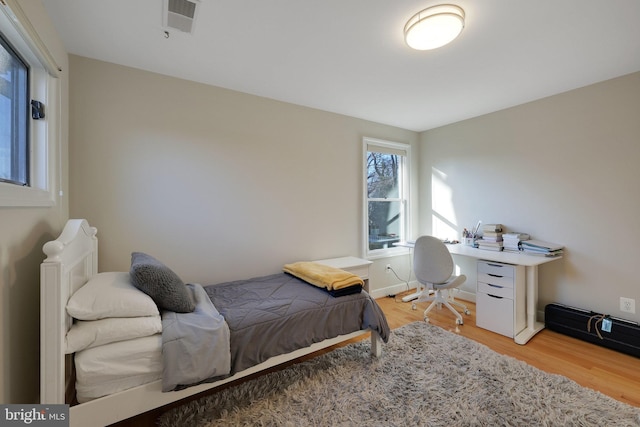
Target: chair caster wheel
414, 306
459, 322
426, 320
467, 312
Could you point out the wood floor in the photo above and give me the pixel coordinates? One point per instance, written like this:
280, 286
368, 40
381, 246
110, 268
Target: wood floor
610, 372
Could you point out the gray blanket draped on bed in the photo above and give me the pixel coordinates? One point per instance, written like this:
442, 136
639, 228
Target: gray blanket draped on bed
195, 346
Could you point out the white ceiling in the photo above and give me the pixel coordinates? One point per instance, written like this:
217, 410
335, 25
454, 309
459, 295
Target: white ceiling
349, 56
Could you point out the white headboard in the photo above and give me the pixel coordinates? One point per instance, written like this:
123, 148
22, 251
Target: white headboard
72, 259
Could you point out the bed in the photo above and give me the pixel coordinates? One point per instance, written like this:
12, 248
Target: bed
71, 266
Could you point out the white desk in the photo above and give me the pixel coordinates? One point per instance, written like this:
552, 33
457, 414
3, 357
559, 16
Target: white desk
530, 262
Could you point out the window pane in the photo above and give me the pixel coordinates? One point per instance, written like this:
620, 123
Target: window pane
385, 220
382, 175
14, 114
386, 196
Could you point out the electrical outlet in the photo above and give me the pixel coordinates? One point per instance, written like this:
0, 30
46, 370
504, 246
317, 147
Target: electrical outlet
388, 268
628, 305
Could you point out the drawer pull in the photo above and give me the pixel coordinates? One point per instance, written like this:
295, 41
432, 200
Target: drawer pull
495, 286
495, 265
495, 296
494, 275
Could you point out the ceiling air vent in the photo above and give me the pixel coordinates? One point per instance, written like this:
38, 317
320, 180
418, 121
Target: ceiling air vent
180, 14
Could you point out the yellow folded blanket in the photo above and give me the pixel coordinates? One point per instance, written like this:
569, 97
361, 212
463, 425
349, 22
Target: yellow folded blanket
322, 276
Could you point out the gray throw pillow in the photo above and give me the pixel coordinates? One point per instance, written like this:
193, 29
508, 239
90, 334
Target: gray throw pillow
159, 282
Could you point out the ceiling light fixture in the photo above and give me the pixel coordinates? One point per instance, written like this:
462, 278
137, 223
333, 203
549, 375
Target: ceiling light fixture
434, 27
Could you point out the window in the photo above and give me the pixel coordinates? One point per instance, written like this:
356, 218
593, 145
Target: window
386, 196
28, 147
14, 78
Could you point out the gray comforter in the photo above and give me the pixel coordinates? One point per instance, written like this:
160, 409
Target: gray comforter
277, 314
240, 324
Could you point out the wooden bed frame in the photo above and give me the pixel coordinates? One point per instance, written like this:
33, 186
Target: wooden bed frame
71, 260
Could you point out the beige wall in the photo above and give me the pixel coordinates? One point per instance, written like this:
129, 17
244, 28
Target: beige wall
223, 185
218, 184
23, 231
564, 169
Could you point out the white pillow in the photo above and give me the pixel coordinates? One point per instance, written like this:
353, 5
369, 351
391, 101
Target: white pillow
92, 333
110, 295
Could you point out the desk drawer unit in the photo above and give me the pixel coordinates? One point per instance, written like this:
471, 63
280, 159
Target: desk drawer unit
500, 298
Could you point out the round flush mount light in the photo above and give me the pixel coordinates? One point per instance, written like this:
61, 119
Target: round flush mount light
434, 27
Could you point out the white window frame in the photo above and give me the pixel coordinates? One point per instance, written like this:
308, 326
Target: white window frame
44, 72
372, 144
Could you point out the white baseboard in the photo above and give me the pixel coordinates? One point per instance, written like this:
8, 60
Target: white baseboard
465, 295
392, 290
402, 287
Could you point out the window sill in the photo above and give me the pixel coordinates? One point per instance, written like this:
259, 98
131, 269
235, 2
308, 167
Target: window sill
16, 196
386, 253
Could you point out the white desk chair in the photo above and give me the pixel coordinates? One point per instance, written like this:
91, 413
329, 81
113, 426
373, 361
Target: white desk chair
433, 267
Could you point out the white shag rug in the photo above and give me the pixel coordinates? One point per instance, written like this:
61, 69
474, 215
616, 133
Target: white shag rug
426, 377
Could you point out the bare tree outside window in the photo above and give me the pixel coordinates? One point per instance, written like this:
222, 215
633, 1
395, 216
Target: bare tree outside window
384, 199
